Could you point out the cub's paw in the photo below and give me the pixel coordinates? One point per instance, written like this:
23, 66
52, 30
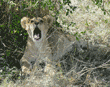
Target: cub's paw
50, 70
25, 71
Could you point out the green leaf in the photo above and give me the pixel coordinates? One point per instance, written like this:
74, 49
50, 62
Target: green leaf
50, 2
104, 13
61, 7
44, 5
18, 21
90, 31
33, 2
106, 21
97, 1
52, 7
2, 25
7, 52
102, 9
76, 34
77, 38
67, 13
96, 22
67, 28
87, 58
18, 32
11, 32
3, 56
67, 10
71, 12
73, 8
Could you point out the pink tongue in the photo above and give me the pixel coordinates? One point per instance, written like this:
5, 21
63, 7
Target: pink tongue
36, 36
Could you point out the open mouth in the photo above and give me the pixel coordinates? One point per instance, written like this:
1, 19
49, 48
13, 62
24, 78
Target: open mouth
37, 33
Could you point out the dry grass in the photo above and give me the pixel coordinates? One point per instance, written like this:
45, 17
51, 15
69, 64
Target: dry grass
88, 64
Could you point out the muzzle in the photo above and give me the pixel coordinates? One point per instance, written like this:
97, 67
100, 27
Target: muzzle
37, 33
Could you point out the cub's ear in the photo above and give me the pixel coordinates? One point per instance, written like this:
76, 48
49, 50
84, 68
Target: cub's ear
49, 20
24, 21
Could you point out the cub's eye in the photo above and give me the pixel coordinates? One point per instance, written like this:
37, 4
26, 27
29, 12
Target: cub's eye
28, 20
41, 21
32, 21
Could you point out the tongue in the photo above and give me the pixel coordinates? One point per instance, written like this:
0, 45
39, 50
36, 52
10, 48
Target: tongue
36, 36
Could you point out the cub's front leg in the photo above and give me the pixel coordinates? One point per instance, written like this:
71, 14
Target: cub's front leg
25, 66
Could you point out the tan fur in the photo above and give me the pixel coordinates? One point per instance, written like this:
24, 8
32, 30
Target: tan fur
52, 45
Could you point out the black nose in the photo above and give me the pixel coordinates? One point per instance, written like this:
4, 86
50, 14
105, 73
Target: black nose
36, 23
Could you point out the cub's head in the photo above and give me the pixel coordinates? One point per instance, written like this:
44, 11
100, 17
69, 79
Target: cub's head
37, 27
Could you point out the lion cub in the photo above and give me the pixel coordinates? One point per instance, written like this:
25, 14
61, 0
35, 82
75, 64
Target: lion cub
44, 43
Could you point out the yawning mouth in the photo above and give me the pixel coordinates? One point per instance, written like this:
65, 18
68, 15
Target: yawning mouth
37, 34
